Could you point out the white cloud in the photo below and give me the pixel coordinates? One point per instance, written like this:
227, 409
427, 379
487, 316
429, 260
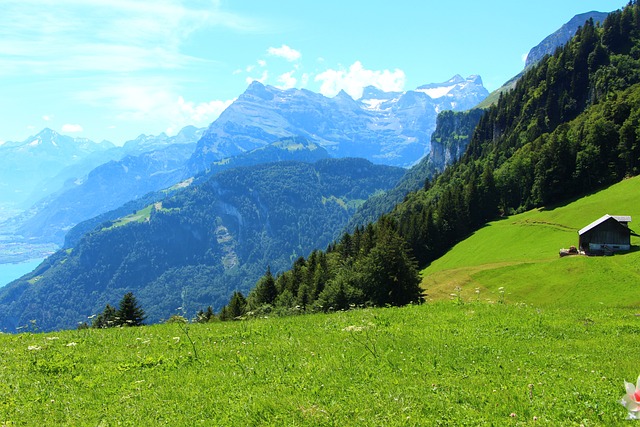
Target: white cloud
524, 57
304, 80
71, 128
105, 35
153, 100
47, 118
287, 80
356, 78
284, 52
201, 114
262, 63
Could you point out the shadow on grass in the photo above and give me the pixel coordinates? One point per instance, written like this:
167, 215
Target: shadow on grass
565, 202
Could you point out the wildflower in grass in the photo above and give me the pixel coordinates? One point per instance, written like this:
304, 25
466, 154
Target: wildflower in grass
631, 400
34, 348
72, 344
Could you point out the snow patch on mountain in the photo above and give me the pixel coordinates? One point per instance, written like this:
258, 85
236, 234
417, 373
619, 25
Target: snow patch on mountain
437, 92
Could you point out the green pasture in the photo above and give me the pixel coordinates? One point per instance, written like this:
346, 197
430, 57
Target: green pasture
520, 254
445, 363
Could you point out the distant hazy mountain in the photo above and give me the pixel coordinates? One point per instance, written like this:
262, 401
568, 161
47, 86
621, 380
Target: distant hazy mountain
389, 128
26, 165
152, 163
287, 149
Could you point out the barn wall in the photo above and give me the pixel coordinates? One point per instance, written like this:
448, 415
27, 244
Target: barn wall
609, 233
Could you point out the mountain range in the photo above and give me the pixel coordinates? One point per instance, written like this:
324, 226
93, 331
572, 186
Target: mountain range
386, 127
392, 128
150, 163
27, 167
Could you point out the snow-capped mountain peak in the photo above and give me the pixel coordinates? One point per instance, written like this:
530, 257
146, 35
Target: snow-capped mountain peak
392, 128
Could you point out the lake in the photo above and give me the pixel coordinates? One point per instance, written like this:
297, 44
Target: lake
10, 272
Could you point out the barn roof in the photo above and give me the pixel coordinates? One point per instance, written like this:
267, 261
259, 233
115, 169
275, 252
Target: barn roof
619, 218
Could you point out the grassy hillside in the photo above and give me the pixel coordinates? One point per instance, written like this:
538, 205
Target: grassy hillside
520, 254
436, 364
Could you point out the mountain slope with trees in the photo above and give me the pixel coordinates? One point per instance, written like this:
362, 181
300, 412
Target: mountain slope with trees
570, 126
193, 249
548, 46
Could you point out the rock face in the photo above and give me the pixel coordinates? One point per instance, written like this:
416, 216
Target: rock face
448, 143
561, 36
392, 128
452, 136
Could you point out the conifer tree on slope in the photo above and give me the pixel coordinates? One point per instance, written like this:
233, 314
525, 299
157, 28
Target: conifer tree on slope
129, 311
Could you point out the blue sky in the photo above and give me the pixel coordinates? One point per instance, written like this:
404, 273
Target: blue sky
113, 69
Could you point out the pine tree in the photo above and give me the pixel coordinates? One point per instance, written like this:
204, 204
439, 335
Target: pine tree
205, 316
265, 291
106, 319
236, 308
129, 312
389, 273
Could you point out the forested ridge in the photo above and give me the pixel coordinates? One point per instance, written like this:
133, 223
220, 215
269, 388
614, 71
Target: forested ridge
195, 247
569, 127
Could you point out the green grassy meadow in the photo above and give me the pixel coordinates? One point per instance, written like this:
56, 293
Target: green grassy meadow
552, 348
442, 363
520, 254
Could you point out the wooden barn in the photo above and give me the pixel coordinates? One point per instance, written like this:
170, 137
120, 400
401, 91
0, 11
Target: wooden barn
606, 235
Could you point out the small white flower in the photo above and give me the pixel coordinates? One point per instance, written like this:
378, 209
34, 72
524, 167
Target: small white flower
34, 348
72, 344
